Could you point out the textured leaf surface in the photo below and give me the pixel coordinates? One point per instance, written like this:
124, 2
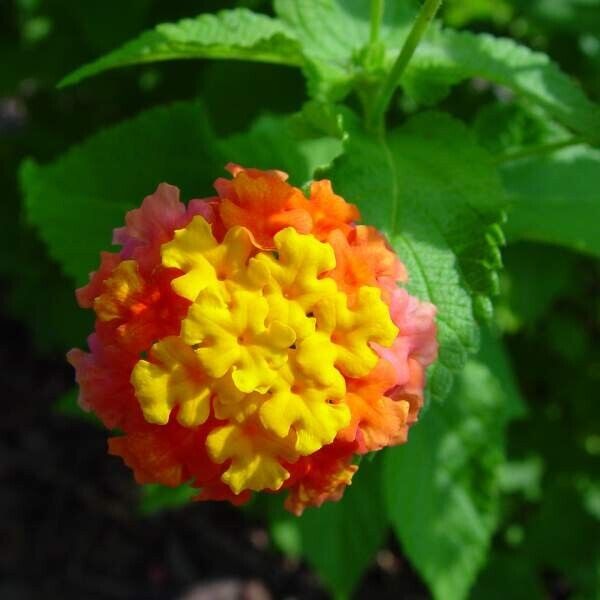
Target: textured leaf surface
435, 194
76, 201
556, 199
234, 34
447, 57
339, 539
441, 488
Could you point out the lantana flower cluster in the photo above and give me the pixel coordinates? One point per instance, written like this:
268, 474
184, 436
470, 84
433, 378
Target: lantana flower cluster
253, 341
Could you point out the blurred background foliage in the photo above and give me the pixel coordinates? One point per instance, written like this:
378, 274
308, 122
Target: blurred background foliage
528, 478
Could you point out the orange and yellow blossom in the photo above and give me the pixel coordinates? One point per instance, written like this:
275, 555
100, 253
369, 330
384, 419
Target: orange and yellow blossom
253, 341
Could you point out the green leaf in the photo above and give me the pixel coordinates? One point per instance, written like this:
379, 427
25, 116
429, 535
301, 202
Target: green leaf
230, 34
556, 199
447, 57
55, 325
339, 539
442, 488
317, 119
76, 201
436, 195
156, 498
334, 34
272, 143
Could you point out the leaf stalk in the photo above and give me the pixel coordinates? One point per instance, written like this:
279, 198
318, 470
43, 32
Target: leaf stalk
376, 17
375, 119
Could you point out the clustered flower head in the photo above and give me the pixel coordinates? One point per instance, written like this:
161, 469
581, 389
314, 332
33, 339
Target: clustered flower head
252, 341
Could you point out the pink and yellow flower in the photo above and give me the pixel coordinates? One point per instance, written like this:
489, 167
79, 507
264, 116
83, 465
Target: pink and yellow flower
253, 341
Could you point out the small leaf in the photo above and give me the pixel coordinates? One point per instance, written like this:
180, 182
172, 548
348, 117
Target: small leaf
272, 143
333, 35
436, 195
319, 118
157, 498
442, 488
230, 34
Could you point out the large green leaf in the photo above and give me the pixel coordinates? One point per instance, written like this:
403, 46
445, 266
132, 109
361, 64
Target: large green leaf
441, 488
436, 195
76, 201
339, 539
556, 199
230, 34
447, 57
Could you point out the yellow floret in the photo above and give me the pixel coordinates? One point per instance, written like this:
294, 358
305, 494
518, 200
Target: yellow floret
266, 345
174, 377
255, 457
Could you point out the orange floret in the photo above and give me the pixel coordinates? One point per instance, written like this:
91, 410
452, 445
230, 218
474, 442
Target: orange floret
321, 477
88, 293
377, 420
137, 310
363, 257
329, 212
263, 202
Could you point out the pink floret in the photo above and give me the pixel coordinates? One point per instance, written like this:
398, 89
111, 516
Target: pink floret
416, 340
151, 225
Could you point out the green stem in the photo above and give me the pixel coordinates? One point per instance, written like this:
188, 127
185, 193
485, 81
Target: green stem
540, 149
383, 98
376, 17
